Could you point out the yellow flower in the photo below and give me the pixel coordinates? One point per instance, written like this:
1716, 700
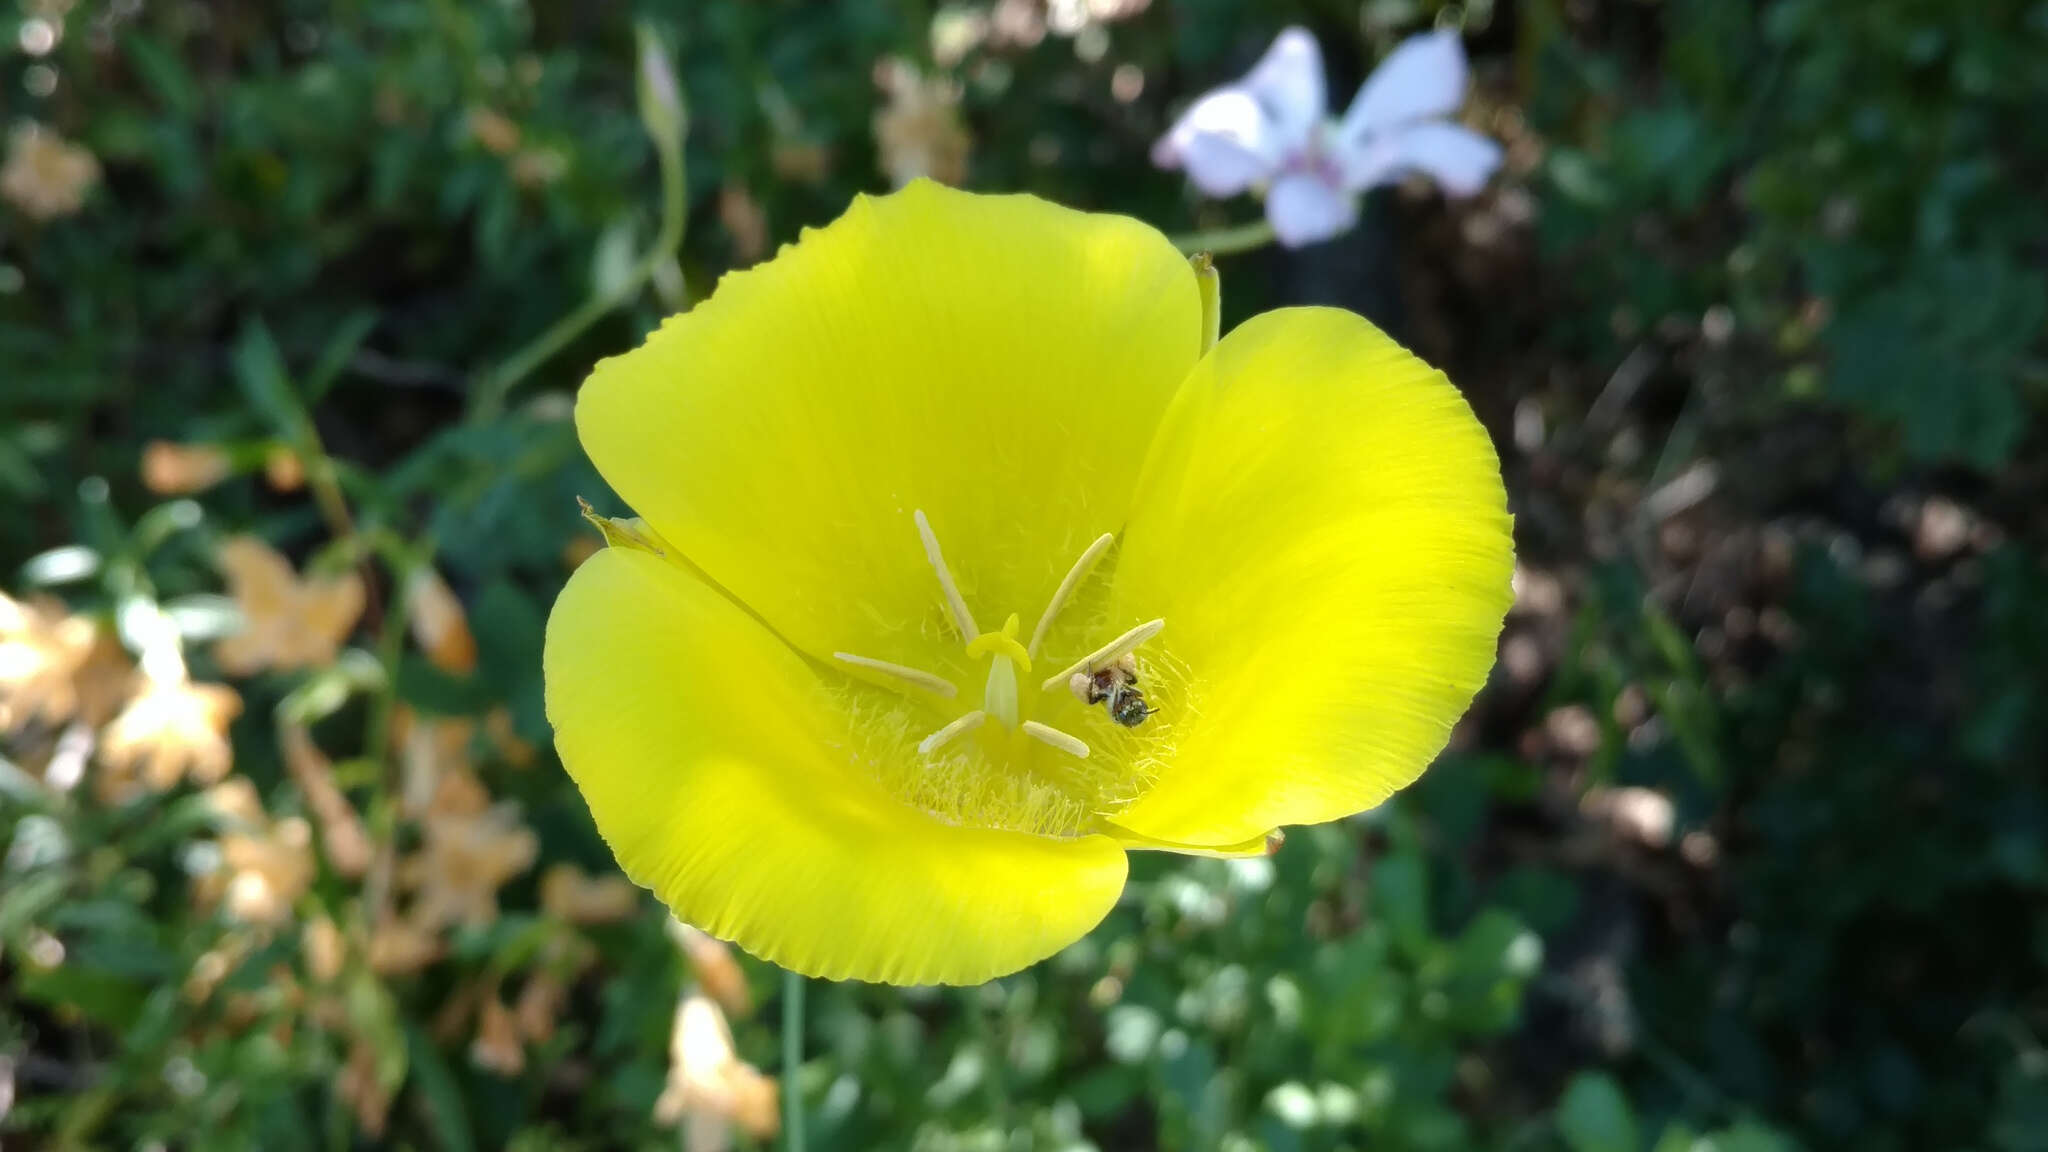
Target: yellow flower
289, 622
798, 697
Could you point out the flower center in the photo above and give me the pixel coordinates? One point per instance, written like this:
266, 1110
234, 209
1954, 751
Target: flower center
995, 765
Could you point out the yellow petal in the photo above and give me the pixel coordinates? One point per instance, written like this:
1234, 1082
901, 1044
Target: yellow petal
1323, 527
723, 770
996, 361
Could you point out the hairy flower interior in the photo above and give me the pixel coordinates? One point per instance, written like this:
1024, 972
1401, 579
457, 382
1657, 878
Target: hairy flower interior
1000, 741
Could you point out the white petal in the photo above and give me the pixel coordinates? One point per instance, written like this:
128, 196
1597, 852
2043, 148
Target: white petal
1458, 159
1288, 83
1305, 209
1369, 160
1225, 142
1422, 78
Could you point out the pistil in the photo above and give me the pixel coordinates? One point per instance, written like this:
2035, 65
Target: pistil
1008, 660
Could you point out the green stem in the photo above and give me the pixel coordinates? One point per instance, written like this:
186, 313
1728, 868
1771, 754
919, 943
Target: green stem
403, 561
1225, 241
792, 1061
992, 1062
491, 391
1209, 287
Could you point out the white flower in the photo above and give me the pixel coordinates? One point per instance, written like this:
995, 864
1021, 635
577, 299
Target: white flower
1272, 130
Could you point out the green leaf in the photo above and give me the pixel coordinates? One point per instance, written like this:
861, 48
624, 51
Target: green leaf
439, 1097
166, 76
341, 348
1593, 1116
260, 371
509, 631
26, 900
1401, 901
1939, 354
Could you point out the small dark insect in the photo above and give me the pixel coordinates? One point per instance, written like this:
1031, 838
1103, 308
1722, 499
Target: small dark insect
1116, 688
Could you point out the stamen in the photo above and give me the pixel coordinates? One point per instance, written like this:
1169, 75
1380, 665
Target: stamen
962, 618
1104, 656
1058, 739
1075, 575
966, 723
914, 676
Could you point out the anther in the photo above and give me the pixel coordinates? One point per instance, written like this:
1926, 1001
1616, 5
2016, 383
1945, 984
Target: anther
962, 618
1106, 655
916, 677
939, 739
1075, 575
1072, 746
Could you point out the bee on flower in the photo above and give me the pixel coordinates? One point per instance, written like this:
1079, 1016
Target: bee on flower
1271, 132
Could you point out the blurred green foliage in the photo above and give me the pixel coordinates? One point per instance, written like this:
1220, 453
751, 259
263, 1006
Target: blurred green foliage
1767, 422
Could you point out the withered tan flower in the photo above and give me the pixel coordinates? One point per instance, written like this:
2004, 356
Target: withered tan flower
709, 1086
919, 131
265, 864
539, 1005
498, 133
283, 470
744, 221
438, 622
167, 733
55, 667
567, 893
800, 160
717, 971
401, 947
515, 750
342, 838
363, 1089
170, 469
44, 175
429, 748
289, 622
497, 1046
466, 854
325, 949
